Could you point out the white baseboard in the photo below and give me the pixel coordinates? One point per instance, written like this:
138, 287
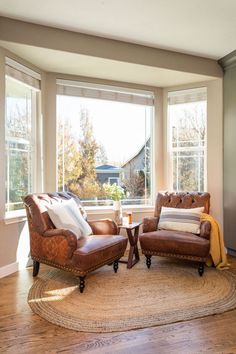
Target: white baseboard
9, 269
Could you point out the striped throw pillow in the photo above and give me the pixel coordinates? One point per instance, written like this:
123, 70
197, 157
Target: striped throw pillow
186, 220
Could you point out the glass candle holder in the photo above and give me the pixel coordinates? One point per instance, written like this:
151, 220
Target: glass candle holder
130, 218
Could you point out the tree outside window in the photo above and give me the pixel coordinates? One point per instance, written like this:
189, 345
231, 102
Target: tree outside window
94, 147
19, 142
187, 128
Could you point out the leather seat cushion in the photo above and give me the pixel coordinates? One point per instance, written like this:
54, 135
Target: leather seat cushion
98, 249
174, 242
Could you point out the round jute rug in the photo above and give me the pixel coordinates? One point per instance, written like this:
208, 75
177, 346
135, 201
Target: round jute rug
133, 298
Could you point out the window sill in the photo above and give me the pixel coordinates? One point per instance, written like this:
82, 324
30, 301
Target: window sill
126, 209
13, 217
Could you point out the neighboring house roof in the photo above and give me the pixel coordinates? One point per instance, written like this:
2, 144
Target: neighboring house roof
108, 169
137, 153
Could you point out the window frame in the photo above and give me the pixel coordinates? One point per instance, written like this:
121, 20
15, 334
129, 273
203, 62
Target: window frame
12, 216
170, 150
128, 91
114, 180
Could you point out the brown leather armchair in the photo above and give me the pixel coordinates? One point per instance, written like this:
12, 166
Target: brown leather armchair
61, 249
178, 244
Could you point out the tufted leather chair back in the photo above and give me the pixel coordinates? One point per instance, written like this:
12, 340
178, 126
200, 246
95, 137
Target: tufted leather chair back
182, 200
37, 211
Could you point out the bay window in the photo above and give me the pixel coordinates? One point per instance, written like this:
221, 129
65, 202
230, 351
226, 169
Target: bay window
104, 136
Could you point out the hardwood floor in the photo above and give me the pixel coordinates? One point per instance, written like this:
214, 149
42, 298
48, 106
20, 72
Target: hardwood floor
21, 331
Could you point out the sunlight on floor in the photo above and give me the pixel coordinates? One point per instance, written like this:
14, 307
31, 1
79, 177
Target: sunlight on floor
56, 294
23, 249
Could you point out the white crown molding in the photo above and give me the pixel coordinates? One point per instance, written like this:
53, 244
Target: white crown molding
228, 61
74, 42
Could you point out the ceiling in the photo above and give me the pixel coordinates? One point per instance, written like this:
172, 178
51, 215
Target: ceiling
205, 28
83, 65
202, 28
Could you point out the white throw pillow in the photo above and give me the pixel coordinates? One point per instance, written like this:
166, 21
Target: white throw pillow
186, 220
66, 215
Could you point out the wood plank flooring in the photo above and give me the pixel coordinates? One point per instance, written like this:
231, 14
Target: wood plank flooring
21, 331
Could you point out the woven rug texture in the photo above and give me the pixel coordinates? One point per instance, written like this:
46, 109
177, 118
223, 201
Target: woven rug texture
168, 292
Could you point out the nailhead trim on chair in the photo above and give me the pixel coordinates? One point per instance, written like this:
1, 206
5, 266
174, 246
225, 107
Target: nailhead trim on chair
73, 270
180, 256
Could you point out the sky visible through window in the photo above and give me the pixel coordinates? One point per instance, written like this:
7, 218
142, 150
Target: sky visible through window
121, 128
188, 145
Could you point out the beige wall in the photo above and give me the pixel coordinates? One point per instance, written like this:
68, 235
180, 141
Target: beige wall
215, 147
49, 130
14, 236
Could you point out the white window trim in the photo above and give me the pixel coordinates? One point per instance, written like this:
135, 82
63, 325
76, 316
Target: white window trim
126, 209
62, 84
15, 216
20, 215
188, 149
104, 92
170, 97
22, 73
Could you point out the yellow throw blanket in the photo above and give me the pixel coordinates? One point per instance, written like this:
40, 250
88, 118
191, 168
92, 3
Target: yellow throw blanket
217, 247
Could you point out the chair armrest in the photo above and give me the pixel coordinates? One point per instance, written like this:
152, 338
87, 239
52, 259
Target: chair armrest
103, 227
150, 224
205, 229
59, 234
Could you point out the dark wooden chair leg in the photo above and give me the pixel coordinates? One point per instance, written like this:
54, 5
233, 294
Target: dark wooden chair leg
115, 266
81, 284
148, 260
36, 266
201, 268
